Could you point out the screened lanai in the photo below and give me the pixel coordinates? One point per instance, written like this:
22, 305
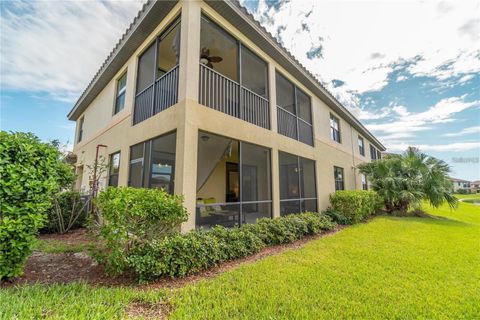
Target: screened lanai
233, 182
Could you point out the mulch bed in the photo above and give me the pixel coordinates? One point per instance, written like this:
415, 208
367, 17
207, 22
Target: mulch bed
49, 268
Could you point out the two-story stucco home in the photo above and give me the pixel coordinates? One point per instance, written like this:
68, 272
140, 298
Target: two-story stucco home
197, 98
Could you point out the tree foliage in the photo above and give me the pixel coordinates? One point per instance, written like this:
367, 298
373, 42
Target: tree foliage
31, 172
405, 180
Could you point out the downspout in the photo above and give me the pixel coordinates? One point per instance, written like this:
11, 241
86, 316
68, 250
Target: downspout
95, 183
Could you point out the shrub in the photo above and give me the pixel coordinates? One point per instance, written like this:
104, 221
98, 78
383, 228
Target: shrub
336, 216
68, 212
30, 173
353, 206
179, 255
134, 216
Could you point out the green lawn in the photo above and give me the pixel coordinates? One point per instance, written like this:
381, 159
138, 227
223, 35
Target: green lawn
391, 267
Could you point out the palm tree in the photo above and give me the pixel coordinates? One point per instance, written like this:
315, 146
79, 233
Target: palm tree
405, 180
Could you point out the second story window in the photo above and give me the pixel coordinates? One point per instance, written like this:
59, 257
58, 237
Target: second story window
339, 178
80, 129
157, 75
361, 146
114, 169
335, 129
373, 153
294, 111
121, 90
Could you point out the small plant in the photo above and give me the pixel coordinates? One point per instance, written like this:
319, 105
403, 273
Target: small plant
352, 206
131, 216
68, 212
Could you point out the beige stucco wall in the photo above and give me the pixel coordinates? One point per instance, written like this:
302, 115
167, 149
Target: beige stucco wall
188, 117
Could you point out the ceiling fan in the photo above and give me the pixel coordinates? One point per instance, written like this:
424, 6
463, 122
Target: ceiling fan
206, 59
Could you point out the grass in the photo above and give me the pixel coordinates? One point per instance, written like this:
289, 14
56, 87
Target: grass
56, 246
73, 301
391, 267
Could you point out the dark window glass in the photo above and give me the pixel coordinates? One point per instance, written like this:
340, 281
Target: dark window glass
289, 177
361, 146
304, 106
285, 94
152, 163
168, 49
309, 205
80, 129
254, 73
146, 69
335, 129
373, 153
162, 162
379, 155
339, 178
114, 169
218, 50
364, 182
290, 207
121, 90
307, 178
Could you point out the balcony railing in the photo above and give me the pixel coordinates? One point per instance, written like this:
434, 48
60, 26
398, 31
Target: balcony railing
225, 95
157, 97
294, 127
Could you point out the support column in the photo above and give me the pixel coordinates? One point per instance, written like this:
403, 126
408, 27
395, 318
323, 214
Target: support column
187, 131
275, 184
189, 69
272, 94
186, 165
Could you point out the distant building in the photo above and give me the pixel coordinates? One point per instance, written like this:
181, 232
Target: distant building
475, 186
460, 184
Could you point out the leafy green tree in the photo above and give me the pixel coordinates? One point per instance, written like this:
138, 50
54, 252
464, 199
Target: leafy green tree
31, 172
407, 179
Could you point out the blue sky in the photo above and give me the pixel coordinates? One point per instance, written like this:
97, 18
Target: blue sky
409, 70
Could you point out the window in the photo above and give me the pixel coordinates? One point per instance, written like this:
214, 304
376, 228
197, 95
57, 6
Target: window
80, 129
152, 163
339, 178
297, 184
335, 129
146, 69
114, 169
294, 111
364, 182
254, 72
121, 89
361, 146
373, 153
379, 155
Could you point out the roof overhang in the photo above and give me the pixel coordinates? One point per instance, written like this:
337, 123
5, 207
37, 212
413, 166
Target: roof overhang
155, 11
142, 26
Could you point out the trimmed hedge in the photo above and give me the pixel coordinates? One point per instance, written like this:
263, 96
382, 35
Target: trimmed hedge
134, 215
183, 254
352, 206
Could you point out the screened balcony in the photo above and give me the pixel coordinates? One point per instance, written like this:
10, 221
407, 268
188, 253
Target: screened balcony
233, 80
157, 79
294, 111
233, 182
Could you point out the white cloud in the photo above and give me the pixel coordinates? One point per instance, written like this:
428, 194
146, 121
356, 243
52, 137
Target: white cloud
364, 42
450, 147
465, 131
57, 47
403, 124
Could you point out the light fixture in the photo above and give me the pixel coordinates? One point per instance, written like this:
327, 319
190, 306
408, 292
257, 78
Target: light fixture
205, 138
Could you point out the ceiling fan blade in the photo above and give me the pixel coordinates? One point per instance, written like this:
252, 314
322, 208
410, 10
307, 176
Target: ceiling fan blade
215, 59
210, 65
